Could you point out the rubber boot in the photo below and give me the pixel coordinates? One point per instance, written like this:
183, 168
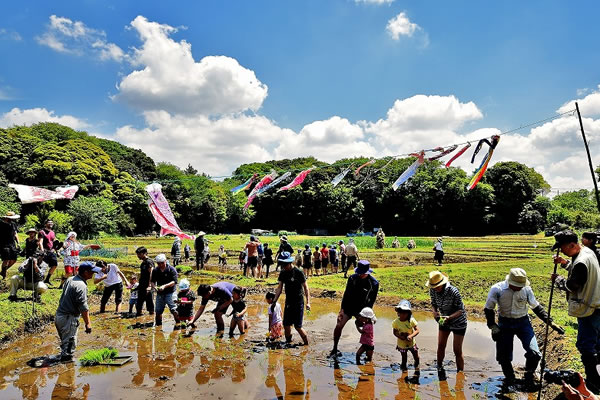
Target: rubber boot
531, 364
592, 379
158, 321
509, 372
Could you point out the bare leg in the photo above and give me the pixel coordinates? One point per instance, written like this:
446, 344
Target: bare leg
337, 332
457, 347
219, 321
302, 334
359, 352
369, 355
287, 329
232, 326
441, 349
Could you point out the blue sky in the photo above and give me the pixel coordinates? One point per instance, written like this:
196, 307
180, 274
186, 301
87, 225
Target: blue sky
330, 78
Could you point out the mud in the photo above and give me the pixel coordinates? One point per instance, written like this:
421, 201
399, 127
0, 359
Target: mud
168, 362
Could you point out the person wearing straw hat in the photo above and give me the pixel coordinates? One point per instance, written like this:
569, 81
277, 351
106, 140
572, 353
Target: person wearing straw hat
449, 312
199, 249
582, 286
9, 241
31, 243
361, 291
294, 282
512, 297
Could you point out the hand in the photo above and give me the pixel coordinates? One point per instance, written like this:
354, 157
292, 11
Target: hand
308, 306
404, 336
558, 329
495, 332
553, 277
559, 260
192, 325
436, 314
340, 316
580, 392
88, 328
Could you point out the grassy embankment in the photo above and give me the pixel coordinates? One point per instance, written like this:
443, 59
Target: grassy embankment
473, 264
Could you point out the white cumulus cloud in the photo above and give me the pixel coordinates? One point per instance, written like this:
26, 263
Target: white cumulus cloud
10, 34
171, 80
400, 25
31, 116
67, 36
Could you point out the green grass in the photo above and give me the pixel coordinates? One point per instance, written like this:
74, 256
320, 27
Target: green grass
95, 357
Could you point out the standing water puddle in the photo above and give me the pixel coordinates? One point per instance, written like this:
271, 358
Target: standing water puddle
173, 363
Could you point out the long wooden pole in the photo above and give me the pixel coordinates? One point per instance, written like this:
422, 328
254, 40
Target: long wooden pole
587, 149
543, 363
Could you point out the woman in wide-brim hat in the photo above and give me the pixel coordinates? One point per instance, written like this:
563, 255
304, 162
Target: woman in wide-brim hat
449, 312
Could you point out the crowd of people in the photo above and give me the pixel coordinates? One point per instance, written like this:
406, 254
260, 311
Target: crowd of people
158, 286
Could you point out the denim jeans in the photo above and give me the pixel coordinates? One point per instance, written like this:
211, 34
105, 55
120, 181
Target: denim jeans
588, 334
163, 299
521, 327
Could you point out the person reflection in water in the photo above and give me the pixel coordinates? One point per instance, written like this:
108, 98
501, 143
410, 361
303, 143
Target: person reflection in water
459, 388
407, 387
65, 387
296, 385
365, 388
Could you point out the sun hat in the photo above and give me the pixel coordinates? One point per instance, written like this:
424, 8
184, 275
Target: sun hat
564, 237
368, 312
284, 238
184, 284
436, 278
517, 277
286, 257
31, 230
11, 215
440, 239
201, 233
71, 234
364, 267
404, 305
160, 258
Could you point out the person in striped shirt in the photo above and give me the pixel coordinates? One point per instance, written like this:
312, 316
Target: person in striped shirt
449, 312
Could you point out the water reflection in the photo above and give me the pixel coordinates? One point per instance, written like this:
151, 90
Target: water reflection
228, 359
365, 387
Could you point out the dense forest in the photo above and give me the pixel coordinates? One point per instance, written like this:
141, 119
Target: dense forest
112, 199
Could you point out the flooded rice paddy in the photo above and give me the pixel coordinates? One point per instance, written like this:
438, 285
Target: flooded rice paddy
195, 364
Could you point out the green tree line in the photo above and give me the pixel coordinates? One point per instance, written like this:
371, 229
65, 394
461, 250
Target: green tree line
112, 198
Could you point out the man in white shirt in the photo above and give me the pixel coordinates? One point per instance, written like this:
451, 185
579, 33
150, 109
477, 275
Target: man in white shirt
113, 282
513, 296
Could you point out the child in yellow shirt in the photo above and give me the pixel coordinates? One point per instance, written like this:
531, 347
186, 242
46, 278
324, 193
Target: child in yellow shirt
405, 329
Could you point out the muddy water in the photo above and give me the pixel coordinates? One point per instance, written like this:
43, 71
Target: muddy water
169, 362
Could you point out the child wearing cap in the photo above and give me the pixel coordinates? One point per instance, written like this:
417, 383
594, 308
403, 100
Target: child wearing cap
405, 329
133, 292
185, 302
364, 324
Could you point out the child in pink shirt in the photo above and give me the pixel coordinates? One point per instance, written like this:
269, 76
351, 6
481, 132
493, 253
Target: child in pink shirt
364, 324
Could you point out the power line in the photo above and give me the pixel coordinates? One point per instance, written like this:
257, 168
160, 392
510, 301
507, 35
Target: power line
334, 165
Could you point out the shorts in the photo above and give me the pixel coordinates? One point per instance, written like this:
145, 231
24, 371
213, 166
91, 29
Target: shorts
133, 300
459, 332
317, 264
252, 262
50, 258
8, 253
108, 290
186, 318
334, 263
413, 349
307, 266
368, 347
293, 314
219, 305
242, 318
69, 269
324, 263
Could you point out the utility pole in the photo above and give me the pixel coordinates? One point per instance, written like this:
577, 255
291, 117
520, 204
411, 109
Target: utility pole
587, 149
